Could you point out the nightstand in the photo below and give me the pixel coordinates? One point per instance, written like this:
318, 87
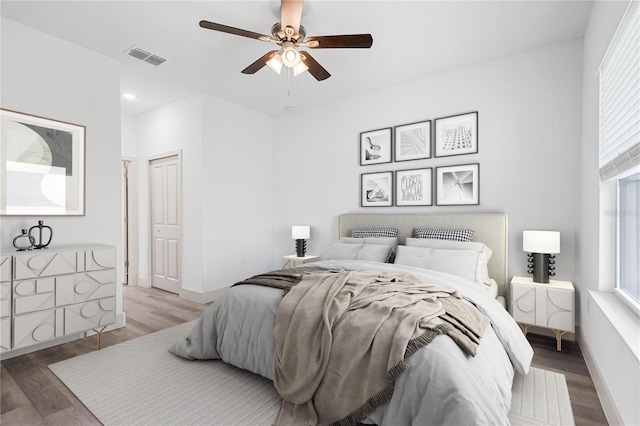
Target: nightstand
292, 260
549, 305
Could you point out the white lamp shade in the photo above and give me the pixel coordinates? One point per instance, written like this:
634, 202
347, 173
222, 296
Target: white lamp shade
300, 232
547, 242
275, 63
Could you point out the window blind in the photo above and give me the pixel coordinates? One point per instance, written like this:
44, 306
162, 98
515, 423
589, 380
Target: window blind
620, 98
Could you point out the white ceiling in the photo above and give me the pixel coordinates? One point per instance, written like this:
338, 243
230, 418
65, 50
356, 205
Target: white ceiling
411, 40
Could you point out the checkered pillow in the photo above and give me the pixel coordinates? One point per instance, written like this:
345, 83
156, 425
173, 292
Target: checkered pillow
444, 234
374, 232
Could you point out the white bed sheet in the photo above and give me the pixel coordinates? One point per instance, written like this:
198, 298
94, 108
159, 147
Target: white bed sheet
442, 386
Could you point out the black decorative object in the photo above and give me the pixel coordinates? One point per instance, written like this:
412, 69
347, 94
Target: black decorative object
542, 266
21, 245
301, 248
40, 227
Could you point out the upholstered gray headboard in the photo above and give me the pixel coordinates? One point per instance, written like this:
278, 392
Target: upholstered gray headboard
489, 228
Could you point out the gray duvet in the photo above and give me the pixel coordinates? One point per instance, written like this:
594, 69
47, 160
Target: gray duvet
443, 386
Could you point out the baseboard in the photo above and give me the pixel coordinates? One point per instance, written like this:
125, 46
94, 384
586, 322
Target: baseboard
120, 322
606, 400
202, 298
142, 282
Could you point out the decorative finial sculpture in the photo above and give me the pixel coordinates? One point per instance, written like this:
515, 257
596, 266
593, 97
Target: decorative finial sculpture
24, 241
40, 226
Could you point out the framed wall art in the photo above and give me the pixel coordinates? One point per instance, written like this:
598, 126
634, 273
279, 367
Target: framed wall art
42, 166
412, 141
376, 189
456, 135
458, 185
375, 147
413, 187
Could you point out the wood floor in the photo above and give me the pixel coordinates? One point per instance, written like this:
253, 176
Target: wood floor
32, 395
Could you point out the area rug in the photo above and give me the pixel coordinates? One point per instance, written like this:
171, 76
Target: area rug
139, 382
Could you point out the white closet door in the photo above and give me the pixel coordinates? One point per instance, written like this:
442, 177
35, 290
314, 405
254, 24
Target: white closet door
165, 177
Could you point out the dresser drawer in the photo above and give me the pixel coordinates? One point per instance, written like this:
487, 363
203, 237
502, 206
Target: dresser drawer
46, 293
98, 259
5, 334
36, 327
44, 263
5, 300
89, 315
5, 268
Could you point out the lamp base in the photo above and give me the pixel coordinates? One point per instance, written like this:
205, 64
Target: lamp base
539, 262
301, 247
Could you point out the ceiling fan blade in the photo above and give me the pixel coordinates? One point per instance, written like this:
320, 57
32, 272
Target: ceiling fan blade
235, 31
358, 41
315, 69
257, 65
291, 14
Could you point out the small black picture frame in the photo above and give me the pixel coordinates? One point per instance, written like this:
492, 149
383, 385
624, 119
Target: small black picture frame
375, 147
412, 141
414, 187
458, 185
376, 189
456, 135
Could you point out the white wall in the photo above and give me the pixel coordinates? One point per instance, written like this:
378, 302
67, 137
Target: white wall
614, 361
529, 135
45, 76
237, 191
227, 188
128, 136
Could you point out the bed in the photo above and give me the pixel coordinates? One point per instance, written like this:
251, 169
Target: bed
445, 353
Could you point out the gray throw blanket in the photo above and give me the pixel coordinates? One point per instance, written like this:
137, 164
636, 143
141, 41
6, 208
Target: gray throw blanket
342, 337
281, 278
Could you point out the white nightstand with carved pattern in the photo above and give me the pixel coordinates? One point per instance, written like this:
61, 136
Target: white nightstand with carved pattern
292, 260
550, 305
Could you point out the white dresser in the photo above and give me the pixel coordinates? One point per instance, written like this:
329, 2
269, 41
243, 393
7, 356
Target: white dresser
55, 292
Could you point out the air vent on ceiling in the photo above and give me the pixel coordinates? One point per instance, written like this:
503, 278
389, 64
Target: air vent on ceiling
143, 55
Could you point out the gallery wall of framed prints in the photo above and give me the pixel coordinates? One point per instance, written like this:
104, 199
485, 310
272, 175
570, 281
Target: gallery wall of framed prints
443, 185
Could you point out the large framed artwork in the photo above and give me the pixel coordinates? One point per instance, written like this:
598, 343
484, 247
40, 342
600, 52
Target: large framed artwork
456, 135
42, 166
375, 147
458, 185
376, 189
413, 141
413, 187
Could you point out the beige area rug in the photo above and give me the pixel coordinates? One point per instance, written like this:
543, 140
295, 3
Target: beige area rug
139, 382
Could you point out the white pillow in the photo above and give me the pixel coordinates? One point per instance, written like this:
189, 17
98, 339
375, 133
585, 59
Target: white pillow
462, 263
371, 252
482, 271
387, 241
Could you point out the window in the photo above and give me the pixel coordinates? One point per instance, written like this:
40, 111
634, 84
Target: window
620, 147
629, 237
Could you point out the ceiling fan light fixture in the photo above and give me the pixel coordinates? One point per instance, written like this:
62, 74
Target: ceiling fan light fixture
299, 69
275, 63
290, 57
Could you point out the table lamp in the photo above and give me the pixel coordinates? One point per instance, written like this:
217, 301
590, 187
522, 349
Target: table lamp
541, 247
301, 234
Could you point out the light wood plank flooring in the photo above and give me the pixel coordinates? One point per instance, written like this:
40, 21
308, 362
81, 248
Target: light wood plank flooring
32, 395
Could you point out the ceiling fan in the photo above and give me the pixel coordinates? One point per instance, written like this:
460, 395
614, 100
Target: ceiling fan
290, 35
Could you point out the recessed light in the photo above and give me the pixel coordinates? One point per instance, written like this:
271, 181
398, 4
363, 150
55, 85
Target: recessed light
129, 96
